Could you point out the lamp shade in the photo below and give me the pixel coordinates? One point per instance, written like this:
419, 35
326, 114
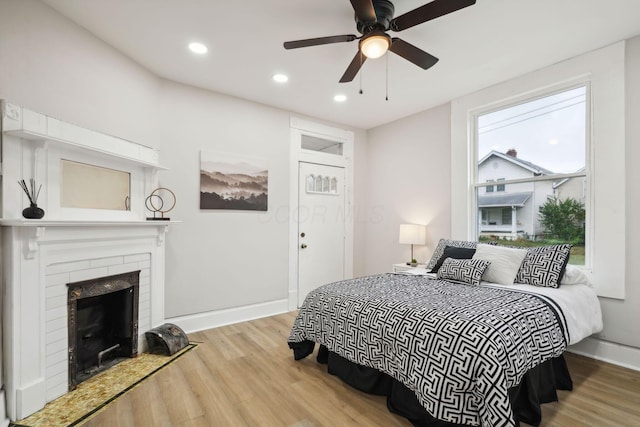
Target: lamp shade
413, 234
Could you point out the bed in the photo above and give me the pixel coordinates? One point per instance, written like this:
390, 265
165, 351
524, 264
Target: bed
452, 348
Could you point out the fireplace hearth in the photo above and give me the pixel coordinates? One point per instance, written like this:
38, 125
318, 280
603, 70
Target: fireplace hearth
102, 324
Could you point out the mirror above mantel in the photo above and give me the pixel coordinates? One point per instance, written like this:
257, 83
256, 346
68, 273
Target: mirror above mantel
85, 175
86, 186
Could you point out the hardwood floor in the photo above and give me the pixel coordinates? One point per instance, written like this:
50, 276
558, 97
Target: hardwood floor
245, 375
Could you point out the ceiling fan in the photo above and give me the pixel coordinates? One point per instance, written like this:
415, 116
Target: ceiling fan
373, 19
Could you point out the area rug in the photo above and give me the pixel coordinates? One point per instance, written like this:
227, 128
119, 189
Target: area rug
97, 392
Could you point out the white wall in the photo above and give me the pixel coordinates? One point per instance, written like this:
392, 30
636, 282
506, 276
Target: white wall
224, 258
57, 68
360, 203
215, 260
621, 318
408, 181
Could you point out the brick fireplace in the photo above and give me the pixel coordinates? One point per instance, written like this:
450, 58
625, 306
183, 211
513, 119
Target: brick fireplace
42, 260
70, 244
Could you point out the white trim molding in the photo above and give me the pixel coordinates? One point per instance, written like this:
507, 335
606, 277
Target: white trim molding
213, 319
33, 146
298, 128
617, 354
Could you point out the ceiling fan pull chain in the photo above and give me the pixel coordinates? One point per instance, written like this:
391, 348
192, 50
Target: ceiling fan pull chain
361, 71
386, 96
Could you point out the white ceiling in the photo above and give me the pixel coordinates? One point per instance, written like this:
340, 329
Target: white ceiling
478, 46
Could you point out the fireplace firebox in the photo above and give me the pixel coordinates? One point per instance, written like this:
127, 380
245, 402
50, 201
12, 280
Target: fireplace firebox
103, 324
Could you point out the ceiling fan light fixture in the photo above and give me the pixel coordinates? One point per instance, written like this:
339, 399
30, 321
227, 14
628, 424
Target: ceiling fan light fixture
375, 45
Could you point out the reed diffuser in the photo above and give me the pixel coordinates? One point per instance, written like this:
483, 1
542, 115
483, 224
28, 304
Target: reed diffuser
33, 211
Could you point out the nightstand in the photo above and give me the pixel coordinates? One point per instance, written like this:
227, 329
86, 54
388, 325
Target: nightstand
398, 268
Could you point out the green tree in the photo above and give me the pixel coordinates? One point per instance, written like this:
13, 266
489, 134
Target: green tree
563, 220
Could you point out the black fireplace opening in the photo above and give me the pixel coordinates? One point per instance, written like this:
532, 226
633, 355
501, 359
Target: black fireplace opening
103, 319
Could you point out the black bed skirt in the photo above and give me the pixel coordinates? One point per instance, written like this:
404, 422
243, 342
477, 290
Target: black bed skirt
539, 385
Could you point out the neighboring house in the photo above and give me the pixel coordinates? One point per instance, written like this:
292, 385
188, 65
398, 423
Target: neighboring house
512, 210
575, 188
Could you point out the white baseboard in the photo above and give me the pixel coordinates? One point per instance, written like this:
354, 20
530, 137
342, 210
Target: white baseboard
214, 319
617, 354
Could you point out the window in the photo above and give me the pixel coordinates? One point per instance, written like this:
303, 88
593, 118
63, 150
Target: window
538, 147
321, 145
506, 216
321, 184
605, 188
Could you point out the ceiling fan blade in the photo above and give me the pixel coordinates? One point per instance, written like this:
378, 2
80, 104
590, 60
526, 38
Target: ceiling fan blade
413, 54
427, 12
364, 10
353, 68
319, 41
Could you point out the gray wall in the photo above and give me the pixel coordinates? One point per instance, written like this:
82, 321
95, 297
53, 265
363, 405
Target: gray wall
57, 68
408, 181
220, 259
215, 259
622, 318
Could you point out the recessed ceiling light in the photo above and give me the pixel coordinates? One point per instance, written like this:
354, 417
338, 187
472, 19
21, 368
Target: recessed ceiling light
553, 141
280, 78
198, 48
340, 98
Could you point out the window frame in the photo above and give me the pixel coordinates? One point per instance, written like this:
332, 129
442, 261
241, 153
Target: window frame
604, 70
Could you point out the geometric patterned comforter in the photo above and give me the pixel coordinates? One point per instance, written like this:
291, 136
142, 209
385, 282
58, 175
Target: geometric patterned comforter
458, 347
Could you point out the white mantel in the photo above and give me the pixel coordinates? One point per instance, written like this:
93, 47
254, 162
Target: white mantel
33, 145
39, 257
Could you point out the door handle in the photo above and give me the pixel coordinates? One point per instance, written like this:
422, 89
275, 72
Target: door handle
303, 246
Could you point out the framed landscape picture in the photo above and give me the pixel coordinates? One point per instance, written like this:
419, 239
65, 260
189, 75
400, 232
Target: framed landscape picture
230, 181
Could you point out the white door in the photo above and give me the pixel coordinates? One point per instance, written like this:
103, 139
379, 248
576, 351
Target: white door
321, 226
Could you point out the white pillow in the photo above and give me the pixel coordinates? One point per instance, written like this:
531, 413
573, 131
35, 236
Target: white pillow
505, 262
574, 275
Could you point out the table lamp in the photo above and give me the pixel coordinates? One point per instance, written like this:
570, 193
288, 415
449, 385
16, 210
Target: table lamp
412, 234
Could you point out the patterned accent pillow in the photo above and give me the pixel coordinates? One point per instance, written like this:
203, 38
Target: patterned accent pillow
463, 270
453, 252
443, 243
544, 266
